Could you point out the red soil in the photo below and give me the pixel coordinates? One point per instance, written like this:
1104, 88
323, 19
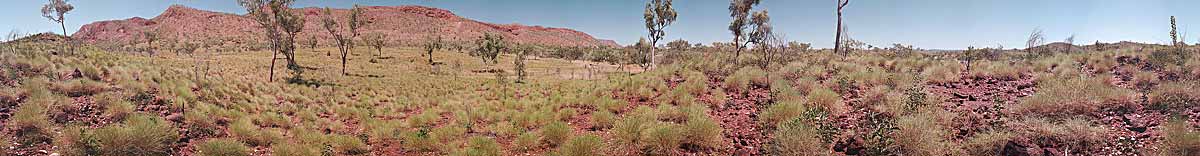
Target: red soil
402, 25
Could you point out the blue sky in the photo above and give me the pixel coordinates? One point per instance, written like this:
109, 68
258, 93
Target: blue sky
933, 24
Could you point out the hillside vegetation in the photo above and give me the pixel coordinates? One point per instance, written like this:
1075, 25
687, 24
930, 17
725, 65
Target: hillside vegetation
875, 102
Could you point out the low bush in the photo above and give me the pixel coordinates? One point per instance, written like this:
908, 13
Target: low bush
662, 138
745, 77
1174, 97
295, 149
923, 134
29, 124
795, 137
628, 130
246, 131
222, 147
1074, 133
1073, 96
944, 72
586, 145
603, 119
987, 143
527, 141
139, 135
347, 145
556, 133
481, 146
824, 98
701, 131
80, 87
76, 141
115, 107
780, 112
1179, 139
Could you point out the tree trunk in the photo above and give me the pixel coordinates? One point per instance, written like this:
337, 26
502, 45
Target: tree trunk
274, 54
837, 43
652, 49
344, 53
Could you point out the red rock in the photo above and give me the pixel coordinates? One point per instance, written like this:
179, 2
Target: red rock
403, 25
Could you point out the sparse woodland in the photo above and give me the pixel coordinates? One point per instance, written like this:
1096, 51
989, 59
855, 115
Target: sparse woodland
759, 94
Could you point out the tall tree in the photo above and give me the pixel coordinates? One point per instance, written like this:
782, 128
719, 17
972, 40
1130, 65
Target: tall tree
432, 44
55, 11
281, 26
837, 42
376, 40
1174, 34
1035, 39
344, 43
150, 36
739, 10
658, 14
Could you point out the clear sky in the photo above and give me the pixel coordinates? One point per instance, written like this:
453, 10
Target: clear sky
932, 24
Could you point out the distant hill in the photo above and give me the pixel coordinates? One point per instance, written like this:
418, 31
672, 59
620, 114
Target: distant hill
403, 25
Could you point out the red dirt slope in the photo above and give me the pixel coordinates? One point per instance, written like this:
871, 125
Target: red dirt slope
403, 25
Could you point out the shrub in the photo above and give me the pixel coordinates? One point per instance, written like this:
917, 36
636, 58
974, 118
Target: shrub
1072, 133
944, 72
1074, 96
481, 146
115, 107
527, 141
586, 145
797, 138
246, 131
781, 111
662, 138
421, 140
923, 134
294, 149
80, 87
603, 119
824, 98
139, 135
628, 130
1179, 139
987, 143
347, 145
556, 133
743, 78
1174, 97
702, 131
1165, 57
222, 147
30, 124
76, 141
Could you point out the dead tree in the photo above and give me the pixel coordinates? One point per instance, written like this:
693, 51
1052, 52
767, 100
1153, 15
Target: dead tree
837, 43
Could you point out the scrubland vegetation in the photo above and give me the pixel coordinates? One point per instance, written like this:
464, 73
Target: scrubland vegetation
777, 99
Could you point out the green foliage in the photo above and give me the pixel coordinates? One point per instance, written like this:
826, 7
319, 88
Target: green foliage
245, 130
1163, 58
139, 135
347, 145
527, 141
745, 77
662, 138
603, 119
797, 138
289, 148
481, 146
824, 98
923, 134
77, 141
586, 145
29, 123
1073, 96
1174, 97
1179, 139
987, 143
489, 46
222, 147
702, 131
556, 133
